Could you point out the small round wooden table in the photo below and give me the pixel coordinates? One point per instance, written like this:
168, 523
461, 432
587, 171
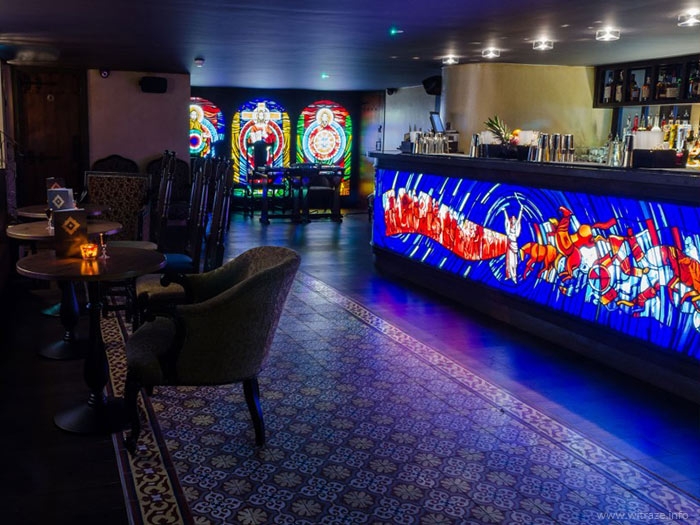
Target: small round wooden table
98, 413
38, 231
38, 211
67, 310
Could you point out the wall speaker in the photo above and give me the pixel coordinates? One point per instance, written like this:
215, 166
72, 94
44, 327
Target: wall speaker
433, 85
153, 84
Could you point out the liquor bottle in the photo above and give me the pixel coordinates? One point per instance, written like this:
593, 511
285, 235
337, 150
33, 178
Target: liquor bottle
661, 87
634, 90
672, 88
694, 82
607, 90
635, 124
619, 86
646, 90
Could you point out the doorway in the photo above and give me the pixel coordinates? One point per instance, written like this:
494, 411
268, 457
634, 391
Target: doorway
50, 115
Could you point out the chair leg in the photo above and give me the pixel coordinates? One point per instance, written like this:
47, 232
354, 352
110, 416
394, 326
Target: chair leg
251, 391
131, 393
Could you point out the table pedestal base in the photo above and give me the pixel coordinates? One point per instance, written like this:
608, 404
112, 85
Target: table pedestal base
65, 350
93, 417
52, 311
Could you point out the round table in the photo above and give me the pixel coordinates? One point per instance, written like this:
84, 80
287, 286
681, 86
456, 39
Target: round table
67, 310
97, 414
38, 211
38, 231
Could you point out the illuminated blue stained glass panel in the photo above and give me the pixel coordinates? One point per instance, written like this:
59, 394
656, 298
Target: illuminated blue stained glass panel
630, 265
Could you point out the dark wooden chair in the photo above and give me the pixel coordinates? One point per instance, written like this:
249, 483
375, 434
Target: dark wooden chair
223, 335
115, 163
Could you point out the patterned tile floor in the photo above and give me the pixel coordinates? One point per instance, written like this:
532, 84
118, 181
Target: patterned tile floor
369, 425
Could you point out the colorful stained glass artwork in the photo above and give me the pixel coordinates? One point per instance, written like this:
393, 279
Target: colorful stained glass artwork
324, 136
260, 131
632, 266
207, 127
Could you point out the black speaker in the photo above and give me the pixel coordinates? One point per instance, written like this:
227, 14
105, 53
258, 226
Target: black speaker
153, 84
433, 85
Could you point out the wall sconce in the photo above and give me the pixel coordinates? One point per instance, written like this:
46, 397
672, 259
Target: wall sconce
607, 35
543, 45
450, 60
689, 18
491, 52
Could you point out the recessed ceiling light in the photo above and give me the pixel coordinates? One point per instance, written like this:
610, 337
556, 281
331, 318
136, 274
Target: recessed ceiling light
199, 61
689, 18
491, 52
543, 45
565, 25
415, 58
607, 35
450, 60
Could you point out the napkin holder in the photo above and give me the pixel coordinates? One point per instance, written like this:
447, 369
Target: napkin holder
70, 231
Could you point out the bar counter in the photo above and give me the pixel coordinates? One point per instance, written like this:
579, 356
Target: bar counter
603, 261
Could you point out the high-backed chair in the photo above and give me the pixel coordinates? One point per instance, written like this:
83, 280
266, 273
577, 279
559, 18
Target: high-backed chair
125, 196
155, 290
115, 163
222, 336
181, 182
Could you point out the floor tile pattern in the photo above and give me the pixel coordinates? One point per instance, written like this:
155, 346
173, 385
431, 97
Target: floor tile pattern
368, 425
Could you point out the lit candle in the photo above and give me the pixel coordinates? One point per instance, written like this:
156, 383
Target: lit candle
88, 251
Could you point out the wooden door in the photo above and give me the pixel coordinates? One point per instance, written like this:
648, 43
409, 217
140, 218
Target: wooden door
50, 112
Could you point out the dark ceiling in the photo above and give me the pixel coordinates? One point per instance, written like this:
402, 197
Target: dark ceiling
293, 44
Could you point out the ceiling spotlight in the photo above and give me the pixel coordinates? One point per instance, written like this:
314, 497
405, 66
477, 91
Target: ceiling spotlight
199, 61
450, 60
607, 35
689, 18
543, 45
491, 52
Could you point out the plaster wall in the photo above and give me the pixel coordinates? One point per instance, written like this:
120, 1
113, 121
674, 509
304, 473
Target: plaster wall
126, 121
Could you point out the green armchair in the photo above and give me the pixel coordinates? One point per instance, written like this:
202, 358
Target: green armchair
222, 336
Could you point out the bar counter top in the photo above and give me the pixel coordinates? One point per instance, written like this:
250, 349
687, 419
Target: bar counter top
675, 184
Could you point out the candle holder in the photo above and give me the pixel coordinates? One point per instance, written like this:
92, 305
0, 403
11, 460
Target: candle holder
88, 251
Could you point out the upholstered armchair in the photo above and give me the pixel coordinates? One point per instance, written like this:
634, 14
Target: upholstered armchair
222, 336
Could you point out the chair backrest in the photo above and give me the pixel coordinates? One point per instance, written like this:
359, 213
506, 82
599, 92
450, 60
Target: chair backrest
115, 163
126, 197
216, 237
228, 333
197, 217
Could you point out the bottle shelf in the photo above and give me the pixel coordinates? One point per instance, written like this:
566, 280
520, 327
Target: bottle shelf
659, 82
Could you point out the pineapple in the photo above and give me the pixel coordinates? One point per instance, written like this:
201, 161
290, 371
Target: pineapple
499, 128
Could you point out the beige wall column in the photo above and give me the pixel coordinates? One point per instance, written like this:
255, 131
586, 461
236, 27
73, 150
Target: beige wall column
551, 99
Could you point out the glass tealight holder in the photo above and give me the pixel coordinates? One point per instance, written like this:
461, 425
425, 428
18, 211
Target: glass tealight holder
88, 251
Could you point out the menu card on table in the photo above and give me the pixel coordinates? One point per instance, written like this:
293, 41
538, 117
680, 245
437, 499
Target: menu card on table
60, 198
70, 231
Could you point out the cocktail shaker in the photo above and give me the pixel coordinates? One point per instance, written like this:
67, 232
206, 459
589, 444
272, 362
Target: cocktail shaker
567, 148
555, 148
627, 149
542, 148
474, 146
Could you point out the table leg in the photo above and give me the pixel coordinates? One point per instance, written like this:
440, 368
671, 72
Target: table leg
99, 413
69, 312
264, 203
